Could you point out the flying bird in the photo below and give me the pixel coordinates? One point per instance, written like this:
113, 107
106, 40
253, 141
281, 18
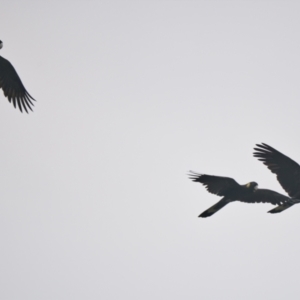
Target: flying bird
12, 85
232, 191
287, 171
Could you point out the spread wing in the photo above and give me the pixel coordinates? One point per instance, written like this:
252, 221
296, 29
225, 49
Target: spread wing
13, 87
287, 170
215, 184
265, 196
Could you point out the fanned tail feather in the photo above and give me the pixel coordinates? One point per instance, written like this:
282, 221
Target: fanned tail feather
280, 208
214, 208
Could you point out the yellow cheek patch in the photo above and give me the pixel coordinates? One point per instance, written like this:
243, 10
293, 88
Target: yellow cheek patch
248, 185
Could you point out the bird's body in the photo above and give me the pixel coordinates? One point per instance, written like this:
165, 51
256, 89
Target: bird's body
232, 191
12, 85
286, 169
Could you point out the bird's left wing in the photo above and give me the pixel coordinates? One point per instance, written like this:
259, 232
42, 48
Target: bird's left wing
266, 196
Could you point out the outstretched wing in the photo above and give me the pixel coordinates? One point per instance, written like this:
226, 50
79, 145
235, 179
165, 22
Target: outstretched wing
287, 170
13, 87
215, 184
265, 196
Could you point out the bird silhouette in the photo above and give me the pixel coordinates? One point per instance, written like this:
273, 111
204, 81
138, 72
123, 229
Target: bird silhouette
232, 191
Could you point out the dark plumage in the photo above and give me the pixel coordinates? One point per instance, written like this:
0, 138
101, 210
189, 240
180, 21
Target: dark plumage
287, 171
12, 85
232, 191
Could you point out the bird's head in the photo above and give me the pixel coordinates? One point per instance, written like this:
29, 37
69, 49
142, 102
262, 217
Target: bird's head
252, 185
1, 44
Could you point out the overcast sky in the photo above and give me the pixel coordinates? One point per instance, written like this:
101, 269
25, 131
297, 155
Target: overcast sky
95, 202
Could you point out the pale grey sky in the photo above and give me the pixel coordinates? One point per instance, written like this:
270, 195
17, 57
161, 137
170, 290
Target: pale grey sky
131, 95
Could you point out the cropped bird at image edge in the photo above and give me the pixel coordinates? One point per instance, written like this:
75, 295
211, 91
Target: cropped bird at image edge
286, 170
12, 85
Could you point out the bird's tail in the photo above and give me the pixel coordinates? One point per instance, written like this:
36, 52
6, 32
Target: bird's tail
280, 208
214, 208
